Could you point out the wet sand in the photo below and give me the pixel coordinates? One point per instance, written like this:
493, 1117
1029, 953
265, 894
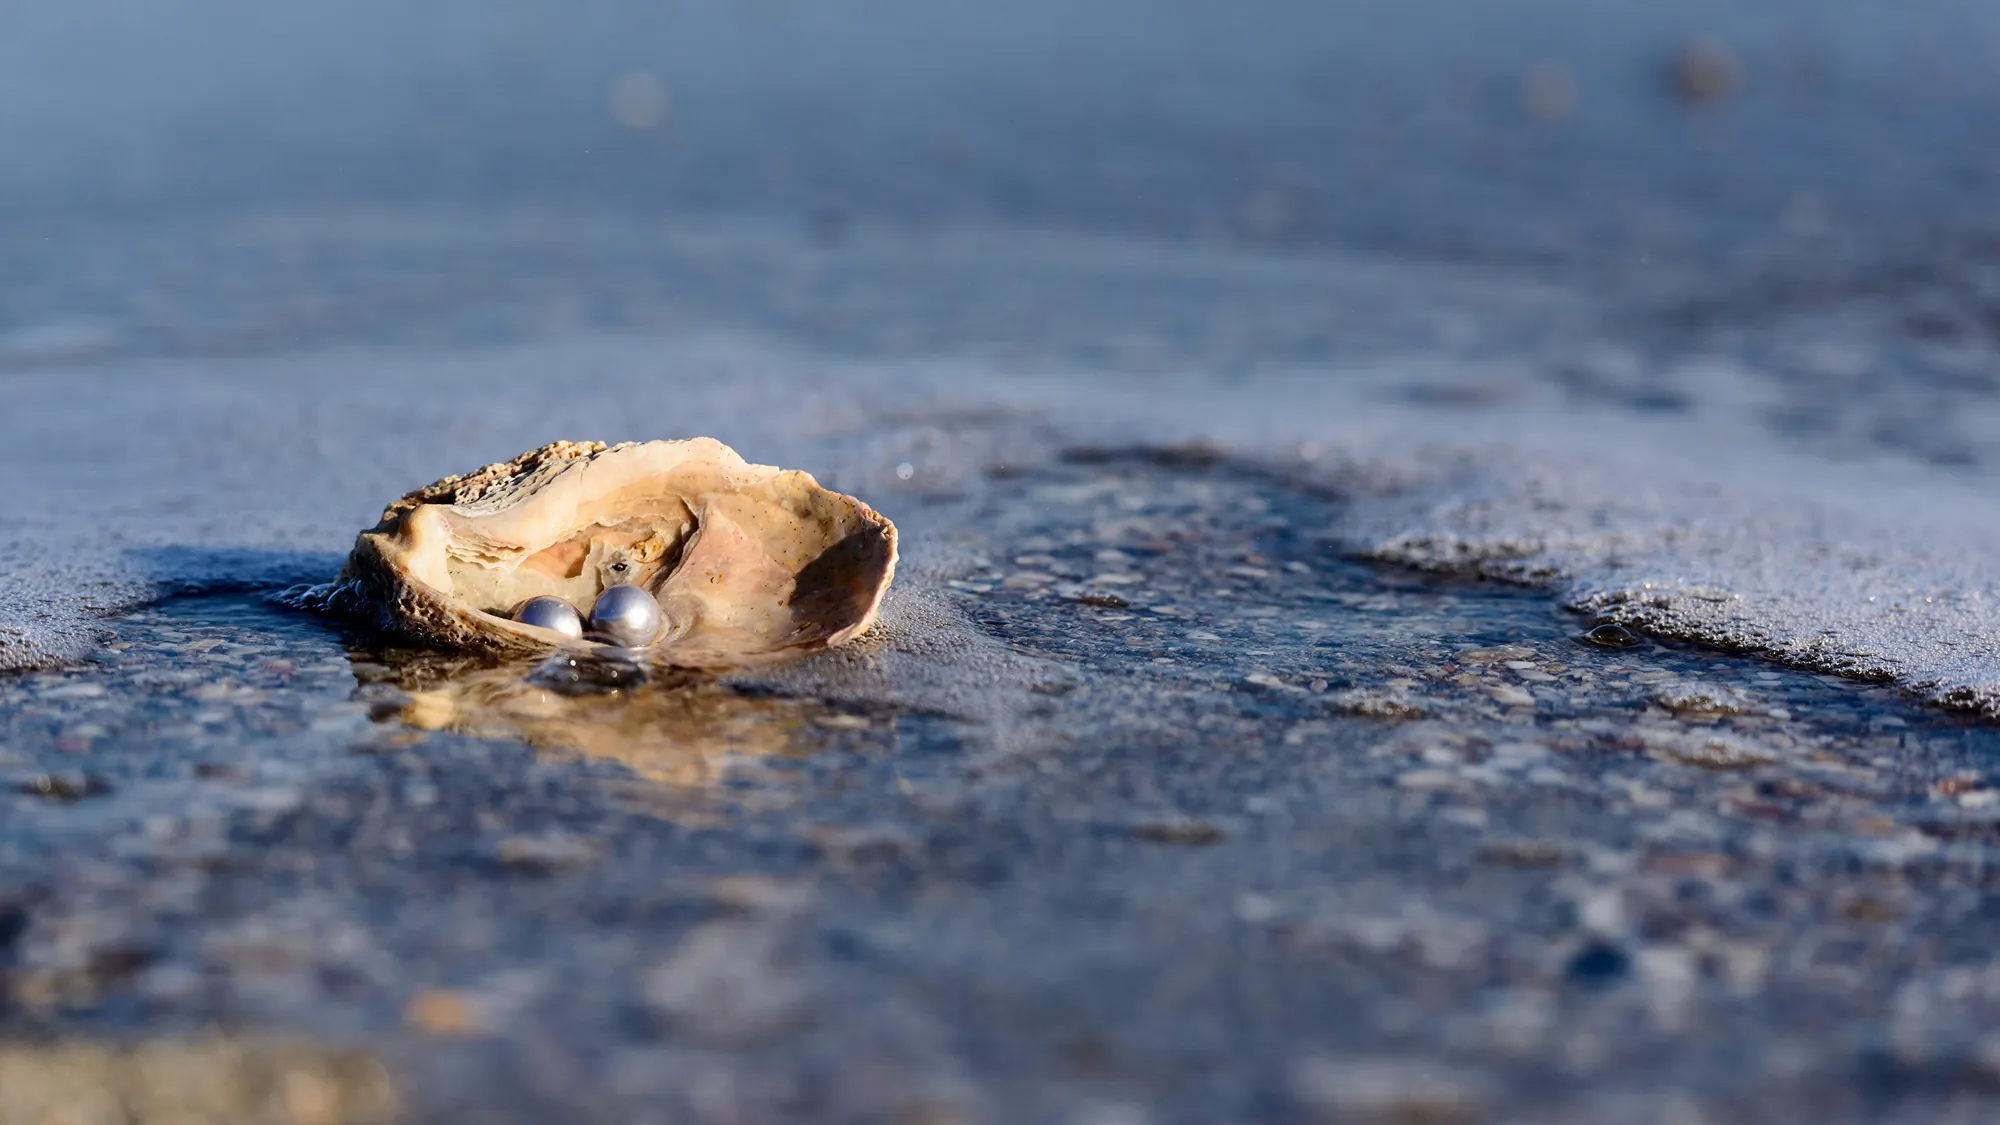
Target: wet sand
1256, 833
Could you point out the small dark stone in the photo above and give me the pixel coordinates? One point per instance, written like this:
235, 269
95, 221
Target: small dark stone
69, 787
1660, 401
120, 961
13, 923
1704, 72
1599, 964
1611, 635
1869, 910
845, 945
1088, 1053
1103, 601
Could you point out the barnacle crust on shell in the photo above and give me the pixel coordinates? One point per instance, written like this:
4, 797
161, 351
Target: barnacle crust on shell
749, 562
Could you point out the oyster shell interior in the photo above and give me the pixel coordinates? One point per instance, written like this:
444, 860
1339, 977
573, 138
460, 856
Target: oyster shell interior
750, 563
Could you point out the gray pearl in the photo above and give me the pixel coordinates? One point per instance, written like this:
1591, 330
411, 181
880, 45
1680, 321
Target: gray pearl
626, 616
553, 614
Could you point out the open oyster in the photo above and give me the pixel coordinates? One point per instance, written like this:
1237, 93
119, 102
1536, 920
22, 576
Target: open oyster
749, 562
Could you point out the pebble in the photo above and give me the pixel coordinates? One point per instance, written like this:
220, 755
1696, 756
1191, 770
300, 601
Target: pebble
1498, 654
1704, 72
1176, 830
445, 1013
68, 787
1114, 579
1687, 698
1377, 703
1598, 964
865, 843
1267, 680
546, 853
1424, 780
1718, 752
761, 895
842, 721
1255, 909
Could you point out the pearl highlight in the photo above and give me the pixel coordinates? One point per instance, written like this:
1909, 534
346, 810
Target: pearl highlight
626, 616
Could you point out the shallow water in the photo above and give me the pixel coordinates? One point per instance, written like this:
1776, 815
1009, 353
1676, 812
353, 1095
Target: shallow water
1266, 834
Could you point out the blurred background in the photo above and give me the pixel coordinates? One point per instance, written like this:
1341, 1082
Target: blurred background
1571, 130
1605, 194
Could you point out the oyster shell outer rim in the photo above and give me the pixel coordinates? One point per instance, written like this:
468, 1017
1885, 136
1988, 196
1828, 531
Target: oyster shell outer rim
461, 489
406, 604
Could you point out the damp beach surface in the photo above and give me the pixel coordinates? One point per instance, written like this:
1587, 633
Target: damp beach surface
1234, 827
1486, 620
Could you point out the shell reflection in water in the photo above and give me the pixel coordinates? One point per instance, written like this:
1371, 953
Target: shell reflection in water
680, 732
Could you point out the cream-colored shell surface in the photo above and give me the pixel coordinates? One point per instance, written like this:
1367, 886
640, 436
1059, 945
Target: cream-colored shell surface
750, 563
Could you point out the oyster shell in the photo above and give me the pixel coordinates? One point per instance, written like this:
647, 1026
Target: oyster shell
750, 563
